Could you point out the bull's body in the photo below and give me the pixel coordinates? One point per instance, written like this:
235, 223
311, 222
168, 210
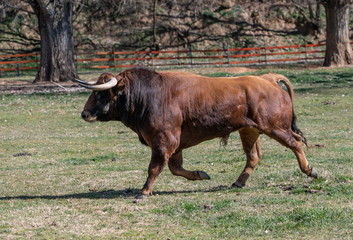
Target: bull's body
204, 108
173, 111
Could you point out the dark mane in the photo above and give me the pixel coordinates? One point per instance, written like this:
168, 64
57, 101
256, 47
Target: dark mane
144, 84
141, 75
144, 95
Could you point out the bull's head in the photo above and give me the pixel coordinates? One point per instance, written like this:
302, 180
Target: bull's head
102, 101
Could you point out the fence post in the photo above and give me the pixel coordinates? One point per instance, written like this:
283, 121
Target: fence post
114, 56
306, 54
151, 55
190, 52
178, 55
228, 54
137, 58
18, 70
75, 60
264, 48
38, 61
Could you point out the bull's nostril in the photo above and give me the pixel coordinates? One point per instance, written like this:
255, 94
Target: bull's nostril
88, 116
84, 115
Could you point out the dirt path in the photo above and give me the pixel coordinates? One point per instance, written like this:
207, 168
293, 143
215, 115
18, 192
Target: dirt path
27, 87
21, 86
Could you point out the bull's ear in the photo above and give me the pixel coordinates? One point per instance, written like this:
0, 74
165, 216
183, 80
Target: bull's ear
120, 86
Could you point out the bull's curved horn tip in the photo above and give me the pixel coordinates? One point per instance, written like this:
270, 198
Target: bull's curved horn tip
100, 87
84, 82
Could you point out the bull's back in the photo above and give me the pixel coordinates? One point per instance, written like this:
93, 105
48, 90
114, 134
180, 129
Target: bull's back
198, 95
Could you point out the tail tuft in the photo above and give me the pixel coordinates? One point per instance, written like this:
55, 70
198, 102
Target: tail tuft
297, 130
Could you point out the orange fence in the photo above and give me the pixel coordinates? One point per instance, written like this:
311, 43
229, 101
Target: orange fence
168, 58
18, 62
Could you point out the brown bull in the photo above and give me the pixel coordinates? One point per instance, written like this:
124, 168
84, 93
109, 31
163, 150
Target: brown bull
173, 111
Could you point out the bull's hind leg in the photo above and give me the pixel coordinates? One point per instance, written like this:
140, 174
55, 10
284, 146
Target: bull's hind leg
294, 142
175, 164
250, 138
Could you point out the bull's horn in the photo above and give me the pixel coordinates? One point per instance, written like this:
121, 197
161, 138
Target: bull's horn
100, 87
84, 82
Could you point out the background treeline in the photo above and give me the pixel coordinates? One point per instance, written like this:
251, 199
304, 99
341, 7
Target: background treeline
161, 24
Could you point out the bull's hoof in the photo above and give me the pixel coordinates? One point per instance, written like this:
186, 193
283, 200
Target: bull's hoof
237, 185
203, 175
313, 173
141, 196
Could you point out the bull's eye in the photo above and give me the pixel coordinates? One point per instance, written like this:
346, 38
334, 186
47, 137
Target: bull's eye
98, 96
102, 99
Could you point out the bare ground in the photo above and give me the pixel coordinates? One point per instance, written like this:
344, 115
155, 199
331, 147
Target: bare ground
21, 86
28, 87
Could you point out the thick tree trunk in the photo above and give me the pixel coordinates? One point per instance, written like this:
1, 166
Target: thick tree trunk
338, 48
57, 50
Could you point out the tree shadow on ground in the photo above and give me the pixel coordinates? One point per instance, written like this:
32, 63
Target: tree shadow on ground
108, 194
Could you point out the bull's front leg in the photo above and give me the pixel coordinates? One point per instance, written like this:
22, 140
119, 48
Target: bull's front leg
162, 148
158, 161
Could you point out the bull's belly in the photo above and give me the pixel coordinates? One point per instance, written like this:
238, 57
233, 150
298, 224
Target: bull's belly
193, 136
198, 130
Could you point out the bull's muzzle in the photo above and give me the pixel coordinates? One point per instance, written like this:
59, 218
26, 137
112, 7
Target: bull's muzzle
88, 117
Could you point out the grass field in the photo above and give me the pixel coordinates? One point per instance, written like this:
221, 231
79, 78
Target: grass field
62, 178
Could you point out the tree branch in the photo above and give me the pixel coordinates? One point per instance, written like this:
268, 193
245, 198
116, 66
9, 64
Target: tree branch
44, 9
347, 2
18, 8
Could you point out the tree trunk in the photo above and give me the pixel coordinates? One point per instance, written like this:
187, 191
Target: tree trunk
57, 61
154, 23
338, 49
318, 19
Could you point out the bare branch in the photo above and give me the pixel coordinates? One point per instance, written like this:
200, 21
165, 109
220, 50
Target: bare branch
301, 10
347, 2
43, 8
8, 5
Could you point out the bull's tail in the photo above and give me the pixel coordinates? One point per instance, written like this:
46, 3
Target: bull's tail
295, 128
277, 79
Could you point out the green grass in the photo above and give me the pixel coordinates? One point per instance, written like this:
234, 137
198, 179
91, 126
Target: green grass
62, 178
